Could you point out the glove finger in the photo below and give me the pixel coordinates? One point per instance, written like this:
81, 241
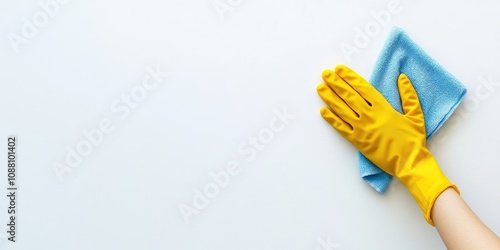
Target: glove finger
344, 128
358, 83
409, 100
344, 90
336, 103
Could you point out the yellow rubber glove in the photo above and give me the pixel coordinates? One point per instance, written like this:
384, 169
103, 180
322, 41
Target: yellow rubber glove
393, 141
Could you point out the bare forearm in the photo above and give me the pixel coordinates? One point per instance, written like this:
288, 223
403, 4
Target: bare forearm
458, 226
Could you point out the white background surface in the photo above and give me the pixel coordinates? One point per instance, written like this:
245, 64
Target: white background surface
226, 78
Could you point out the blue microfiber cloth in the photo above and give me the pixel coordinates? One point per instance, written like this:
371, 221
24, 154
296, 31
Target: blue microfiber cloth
439, 92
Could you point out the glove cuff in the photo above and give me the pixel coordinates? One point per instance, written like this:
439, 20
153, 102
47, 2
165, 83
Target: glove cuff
426, 182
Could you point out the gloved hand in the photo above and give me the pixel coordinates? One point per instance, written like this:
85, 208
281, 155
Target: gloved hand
393, 141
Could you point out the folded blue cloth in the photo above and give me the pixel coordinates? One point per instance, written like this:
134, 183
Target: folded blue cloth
439, 92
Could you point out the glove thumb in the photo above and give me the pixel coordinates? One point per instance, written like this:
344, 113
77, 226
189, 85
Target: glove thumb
409, 100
